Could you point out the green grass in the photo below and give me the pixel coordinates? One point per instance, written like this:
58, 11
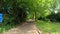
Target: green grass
4, 28
48, 26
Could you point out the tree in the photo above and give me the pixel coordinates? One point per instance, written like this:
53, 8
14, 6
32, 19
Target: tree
16, 7
12, 11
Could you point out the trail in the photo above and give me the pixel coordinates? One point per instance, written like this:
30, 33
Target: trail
25, 28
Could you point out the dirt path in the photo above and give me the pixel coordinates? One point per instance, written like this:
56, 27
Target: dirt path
26, 28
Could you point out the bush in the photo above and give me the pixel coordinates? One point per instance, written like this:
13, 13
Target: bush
52, 17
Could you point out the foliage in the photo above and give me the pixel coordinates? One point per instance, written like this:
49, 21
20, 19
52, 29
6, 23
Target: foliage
13, 14
54, 17
17, 11
39, 8
13, 10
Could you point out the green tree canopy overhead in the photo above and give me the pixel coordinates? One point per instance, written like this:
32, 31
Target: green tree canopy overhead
41, 7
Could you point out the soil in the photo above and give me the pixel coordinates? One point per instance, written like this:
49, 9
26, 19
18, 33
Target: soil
25, 28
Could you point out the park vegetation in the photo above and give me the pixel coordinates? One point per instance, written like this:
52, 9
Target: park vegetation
18, 11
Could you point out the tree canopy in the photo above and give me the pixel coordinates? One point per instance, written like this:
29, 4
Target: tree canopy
39, 7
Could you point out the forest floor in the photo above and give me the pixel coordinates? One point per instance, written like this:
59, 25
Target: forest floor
26, 28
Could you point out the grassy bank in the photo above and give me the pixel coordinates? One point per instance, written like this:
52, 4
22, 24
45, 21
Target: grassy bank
47, 26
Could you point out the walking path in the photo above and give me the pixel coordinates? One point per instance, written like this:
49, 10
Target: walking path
26, 28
